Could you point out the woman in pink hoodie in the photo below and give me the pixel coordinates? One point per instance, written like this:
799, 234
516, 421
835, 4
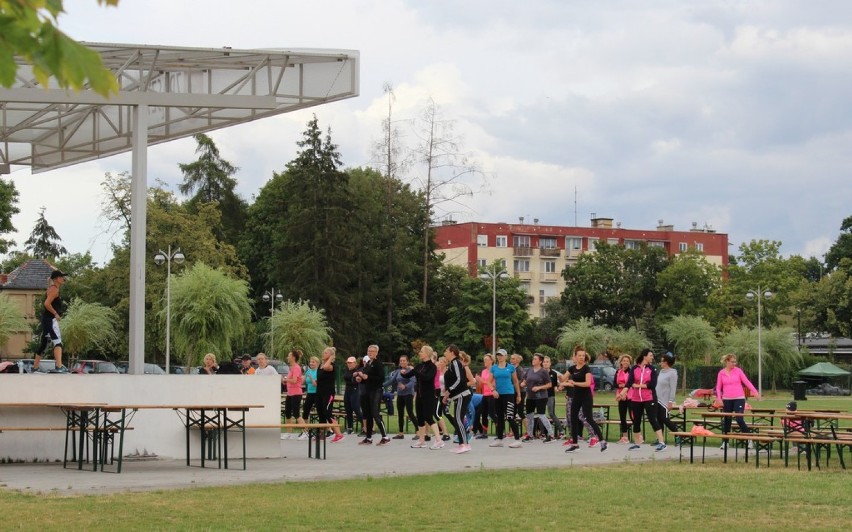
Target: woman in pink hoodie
729, 390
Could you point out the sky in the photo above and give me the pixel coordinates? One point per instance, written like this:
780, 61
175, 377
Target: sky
733, 114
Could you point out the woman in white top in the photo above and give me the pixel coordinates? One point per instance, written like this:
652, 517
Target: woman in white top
263, 367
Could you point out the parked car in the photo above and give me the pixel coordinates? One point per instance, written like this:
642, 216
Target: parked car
26, 365
93, 366
150, 369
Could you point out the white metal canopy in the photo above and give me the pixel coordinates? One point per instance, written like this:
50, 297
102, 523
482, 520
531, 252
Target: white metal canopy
165, 93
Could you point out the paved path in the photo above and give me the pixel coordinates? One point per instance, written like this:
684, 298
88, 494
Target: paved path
346, 459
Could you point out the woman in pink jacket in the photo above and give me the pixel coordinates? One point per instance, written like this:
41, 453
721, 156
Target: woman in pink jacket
729, 390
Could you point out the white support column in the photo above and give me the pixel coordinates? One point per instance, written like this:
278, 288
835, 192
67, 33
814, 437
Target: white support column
138, 222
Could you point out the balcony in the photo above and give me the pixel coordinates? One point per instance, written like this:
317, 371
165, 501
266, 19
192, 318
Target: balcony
523, 276
550, 252
548, 277
523, 251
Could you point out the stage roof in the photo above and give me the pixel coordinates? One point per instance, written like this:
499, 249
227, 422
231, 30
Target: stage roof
186, 90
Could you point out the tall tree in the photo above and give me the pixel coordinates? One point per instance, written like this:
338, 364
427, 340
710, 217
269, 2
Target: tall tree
89, 327
842, 247
8, 208
28, 29
687, 284
210, 179
694, 339
445, 172
585, 333
297, 325
44, 241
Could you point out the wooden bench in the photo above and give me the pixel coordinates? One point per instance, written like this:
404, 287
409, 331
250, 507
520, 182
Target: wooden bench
316, 433
818, 443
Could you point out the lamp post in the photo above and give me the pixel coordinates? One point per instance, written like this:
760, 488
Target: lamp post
159, 259
272, 297
760, 295
493, 274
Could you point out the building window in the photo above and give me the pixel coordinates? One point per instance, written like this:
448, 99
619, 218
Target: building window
682, 247
482, 241
655, 244
699, 246
521, 241
547, 243
502, 263
482, 263
541, 297
549, 266
632, 244
525, 288
573, 243
502, 241
593, 243
521, 265
612, 241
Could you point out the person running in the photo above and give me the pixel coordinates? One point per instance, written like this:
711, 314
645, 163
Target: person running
50, 316
665, 395
580, 379
373, 376
424, 400
487, 410
551, 398
457, 394
293, 382
404, 389
507, 393
640, 392
538, 382
729, 389
325, 392
351, 398
621, 375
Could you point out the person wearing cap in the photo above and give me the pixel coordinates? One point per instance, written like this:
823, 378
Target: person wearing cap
51, 314
245, 366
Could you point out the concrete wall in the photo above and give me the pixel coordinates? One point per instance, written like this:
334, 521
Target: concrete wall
155, 431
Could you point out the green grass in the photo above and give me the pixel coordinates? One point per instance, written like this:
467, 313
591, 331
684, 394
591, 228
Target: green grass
650, 496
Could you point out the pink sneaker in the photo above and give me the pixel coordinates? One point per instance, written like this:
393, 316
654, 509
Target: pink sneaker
624, 440
568, 442
462, 449
337, 438
593, 441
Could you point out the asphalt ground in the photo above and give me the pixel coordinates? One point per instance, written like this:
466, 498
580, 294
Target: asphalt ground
345, 460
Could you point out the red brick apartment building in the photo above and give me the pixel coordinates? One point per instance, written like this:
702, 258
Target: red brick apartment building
537, 254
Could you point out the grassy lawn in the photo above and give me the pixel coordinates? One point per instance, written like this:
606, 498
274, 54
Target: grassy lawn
647, 496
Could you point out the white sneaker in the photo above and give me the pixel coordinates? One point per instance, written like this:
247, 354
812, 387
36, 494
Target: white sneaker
496, 443
517, 444
437, 445
303, 436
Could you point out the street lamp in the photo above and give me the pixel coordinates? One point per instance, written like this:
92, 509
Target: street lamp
272, 297
159, 259
493, 274
760, 295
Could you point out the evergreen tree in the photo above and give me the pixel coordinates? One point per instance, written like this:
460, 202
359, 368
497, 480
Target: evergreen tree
8, 208
210, 178
44, 241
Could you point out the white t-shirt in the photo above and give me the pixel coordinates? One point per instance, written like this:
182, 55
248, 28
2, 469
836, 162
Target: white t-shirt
268, 370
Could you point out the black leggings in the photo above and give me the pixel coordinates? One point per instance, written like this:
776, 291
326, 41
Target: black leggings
506, 412
373, 413
624, 415
460, 406
487, 410
352, 406
324, 408
584, 403
647, 407
405, 403
425, 407
308, 405
663, 418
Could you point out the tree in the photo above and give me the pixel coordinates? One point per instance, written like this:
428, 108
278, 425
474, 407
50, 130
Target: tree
613, 286
11, 319
779, 354
8, 205
842, 247
298, 325
694, 339
626, 341
89, 327
585, 333
686, 285
211, 311
469, 317
827, 305
445, 170
44, 241
28, 29
210, 178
